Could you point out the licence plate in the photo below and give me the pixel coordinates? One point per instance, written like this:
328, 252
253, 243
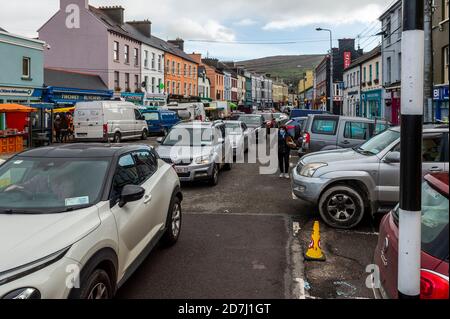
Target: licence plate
181, 170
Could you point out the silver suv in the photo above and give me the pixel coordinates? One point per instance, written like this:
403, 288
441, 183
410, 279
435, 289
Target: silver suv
197, 150
347, 183
329, 132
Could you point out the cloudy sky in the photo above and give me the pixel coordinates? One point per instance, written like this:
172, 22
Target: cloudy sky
235, 29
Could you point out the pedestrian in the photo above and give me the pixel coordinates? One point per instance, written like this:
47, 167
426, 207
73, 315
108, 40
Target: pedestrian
285, 143
57, 127
64, 128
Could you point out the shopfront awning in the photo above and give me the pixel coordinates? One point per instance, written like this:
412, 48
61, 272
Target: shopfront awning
15, 108
64, 110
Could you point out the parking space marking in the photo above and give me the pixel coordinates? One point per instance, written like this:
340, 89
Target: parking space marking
358, 232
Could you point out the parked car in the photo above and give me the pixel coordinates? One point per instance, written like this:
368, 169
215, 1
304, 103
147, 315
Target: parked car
238, 133
255, 123
348, 183
197, 150
160, 121
91, 210
434, 256
304, 113
189, 111
328, 132
108, 121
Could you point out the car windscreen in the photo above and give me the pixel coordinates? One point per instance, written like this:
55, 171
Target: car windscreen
50, 185
189, 136
435, 218
379, 142
251, 120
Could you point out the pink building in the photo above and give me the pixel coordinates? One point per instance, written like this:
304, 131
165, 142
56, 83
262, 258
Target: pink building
86, 39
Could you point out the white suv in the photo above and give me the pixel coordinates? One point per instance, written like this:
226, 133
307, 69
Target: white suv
77, 220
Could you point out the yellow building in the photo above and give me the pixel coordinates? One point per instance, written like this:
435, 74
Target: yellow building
280, 93
307, 82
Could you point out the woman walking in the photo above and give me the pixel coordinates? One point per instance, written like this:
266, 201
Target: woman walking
285, 143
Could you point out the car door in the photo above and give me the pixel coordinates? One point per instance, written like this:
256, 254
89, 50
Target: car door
435, 153
134, 221
352, 133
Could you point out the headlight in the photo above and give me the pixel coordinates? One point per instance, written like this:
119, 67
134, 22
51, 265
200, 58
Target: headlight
22, 271
309, 169
204, 160
24, 293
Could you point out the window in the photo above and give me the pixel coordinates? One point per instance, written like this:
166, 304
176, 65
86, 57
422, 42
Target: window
116, 80
146, 59
388, 70
168, 67
431, 149
178, 88
370, 73
26, 67
190, 72
137, 114
127, 81
445, 9
127, 54
116, 51
136, 82
445, 57
146, 83
146, 165
159, 85
126, 174
324, 126
365, 74
357, 78
168, 87
185, 71
388, 32
153, 60
159, 63
185, 88
153, 85
178, 69
195, 90
356, 131
399, 66
136, 57
377, 71
173, 68
151, 116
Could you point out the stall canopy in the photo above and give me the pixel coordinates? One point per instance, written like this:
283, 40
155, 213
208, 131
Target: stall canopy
15, 108
64, 110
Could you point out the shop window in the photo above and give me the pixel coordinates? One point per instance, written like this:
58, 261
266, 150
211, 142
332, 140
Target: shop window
26, 67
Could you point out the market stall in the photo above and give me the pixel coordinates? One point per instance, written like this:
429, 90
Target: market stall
14, 128
41, 125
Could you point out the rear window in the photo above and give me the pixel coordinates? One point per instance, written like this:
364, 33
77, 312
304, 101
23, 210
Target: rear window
435, 219
324, 126
151, 116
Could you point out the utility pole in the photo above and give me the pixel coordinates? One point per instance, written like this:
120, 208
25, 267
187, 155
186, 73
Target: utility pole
412, 89
331, 68
428, 77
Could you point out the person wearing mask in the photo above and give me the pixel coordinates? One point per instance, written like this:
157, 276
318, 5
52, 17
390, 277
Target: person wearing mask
285, 143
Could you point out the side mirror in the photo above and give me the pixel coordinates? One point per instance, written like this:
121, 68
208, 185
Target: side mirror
131, 193
160, 140
392, 158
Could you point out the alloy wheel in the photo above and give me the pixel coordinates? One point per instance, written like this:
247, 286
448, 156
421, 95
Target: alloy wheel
341, 207
99, 291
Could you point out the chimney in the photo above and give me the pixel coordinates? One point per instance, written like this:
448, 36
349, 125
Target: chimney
178, 43
115, 13
144, 27
197, 57
80, 3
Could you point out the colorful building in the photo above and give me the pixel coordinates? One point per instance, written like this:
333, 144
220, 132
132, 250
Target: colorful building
372, 92
215, 75
305, 85
352, 89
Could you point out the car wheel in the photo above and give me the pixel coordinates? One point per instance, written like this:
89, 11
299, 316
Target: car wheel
117, 138
174, 219
214, 180
341, 207
97, 286
144, 135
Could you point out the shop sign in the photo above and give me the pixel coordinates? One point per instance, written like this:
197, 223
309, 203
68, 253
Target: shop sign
347, 59
440, 93
16, 91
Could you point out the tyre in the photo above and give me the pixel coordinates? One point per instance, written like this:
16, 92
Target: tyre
117, 138
174, 219
144, 135
214, 180
96, 286
342, 207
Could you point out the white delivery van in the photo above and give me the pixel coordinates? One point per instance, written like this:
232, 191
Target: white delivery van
189, 111
108, 121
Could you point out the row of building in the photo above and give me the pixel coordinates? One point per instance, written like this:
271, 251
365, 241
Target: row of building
86, 53
369, 84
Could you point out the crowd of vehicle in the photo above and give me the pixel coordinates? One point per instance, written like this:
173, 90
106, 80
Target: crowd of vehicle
348, 168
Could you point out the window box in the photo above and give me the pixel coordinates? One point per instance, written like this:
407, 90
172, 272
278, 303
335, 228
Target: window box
369, 83
376, 81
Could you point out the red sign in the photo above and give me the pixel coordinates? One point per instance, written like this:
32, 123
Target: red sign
347, 59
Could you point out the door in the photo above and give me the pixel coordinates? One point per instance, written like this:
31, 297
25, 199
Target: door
89, 123
435, 153
134, 220
352, 134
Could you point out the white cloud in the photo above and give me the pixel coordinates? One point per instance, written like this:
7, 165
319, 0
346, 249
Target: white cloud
209, 30
246, 22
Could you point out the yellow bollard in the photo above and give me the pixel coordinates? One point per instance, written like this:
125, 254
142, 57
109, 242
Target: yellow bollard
314, 252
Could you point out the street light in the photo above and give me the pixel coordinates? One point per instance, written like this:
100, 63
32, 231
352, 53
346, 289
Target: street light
331, 68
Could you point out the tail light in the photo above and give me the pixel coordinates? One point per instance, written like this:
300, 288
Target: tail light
105, 130
290, 127
433, 285
306, 138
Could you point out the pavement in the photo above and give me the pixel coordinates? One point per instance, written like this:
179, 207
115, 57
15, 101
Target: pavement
245, 239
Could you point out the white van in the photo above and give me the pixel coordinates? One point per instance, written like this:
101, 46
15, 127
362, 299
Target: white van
108, 121
189, 111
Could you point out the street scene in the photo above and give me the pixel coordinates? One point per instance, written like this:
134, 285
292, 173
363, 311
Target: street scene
152, 158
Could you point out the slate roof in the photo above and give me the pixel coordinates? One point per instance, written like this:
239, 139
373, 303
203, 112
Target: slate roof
68, 79
128, 30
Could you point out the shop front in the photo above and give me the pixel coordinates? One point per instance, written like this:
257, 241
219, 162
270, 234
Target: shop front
64, 97
372, 104
392, 101
440, 96
155, 100
135, 98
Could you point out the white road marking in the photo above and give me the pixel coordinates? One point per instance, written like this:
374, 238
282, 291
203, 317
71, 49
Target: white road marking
357, 232
296, 228
301, 284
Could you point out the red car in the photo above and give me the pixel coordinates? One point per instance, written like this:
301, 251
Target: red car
435, 240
